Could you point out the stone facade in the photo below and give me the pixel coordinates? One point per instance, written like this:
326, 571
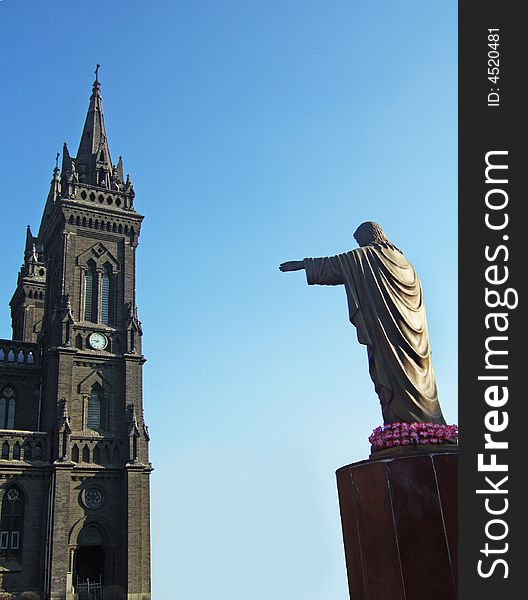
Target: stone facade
74, 463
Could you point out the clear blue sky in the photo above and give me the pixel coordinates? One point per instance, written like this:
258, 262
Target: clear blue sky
254, 132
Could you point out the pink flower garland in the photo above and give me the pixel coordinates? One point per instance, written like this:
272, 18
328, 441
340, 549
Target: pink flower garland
407, 434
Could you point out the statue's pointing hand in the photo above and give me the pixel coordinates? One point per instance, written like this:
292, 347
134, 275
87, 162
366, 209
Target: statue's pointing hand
292, 265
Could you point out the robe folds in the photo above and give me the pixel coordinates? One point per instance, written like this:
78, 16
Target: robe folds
386, 305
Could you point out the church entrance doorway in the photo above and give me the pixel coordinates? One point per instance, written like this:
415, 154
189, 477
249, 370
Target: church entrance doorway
89, 569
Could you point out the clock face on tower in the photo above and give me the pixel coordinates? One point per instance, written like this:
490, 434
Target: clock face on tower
98, 341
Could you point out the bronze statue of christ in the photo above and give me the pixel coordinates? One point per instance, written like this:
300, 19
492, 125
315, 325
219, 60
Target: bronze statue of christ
386, 305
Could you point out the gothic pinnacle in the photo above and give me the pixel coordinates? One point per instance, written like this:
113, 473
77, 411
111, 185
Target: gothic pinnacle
93, 160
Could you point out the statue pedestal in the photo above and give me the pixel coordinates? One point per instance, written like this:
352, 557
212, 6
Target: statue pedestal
399, 516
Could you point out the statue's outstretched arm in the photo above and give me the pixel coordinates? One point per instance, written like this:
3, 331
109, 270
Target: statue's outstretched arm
292, 265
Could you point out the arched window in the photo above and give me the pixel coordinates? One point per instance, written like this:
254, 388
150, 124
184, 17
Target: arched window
105, 298
11, 523
94, 410
37, 452
108, 296
27, 451
90, 293
99, 293
7, 408
75, 453
16, 451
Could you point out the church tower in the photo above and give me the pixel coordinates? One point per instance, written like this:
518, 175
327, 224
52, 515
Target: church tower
74, 467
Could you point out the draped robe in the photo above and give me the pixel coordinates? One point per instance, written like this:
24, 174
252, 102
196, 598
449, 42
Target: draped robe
386, 305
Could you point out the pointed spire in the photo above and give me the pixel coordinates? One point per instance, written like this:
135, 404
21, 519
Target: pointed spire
66, 159
30, 254
55, 187
93, 157
30, 242
119, 169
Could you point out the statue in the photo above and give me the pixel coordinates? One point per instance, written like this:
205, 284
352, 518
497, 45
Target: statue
386, 305
129, 187
73, 173
116, 184
73, 180
34, 253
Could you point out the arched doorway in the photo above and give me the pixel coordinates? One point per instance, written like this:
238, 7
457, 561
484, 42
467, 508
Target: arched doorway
89, 564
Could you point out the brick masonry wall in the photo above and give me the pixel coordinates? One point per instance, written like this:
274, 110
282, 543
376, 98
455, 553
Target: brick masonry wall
27, 575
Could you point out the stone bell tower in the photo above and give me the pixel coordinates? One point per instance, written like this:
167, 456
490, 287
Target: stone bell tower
75, 306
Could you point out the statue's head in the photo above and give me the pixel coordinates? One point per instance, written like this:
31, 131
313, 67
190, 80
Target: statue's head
371, 234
